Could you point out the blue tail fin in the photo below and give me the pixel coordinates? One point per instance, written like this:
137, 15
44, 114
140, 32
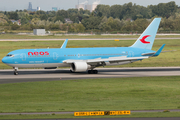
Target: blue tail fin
146, 40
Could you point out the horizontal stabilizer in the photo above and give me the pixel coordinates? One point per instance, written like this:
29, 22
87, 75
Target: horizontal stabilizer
159, 51
154, 54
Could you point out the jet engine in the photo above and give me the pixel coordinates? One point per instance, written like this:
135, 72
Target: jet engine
80, 66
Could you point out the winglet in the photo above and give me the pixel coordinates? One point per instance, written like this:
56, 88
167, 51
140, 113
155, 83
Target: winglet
159, 51
64, 44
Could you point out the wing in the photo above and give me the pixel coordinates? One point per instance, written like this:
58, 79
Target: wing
100, 61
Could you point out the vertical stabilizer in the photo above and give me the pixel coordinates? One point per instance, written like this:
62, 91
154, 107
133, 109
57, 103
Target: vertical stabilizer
146, 40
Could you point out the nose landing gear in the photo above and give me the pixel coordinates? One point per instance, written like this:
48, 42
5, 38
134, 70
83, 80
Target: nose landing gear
15, 70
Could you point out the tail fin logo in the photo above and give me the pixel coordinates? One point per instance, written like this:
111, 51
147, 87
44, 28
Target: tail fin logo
143, 40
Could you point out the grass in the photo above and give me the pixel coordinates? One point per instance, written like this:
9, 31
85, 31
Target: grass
165, 59
58, 116
146, 93
14, 36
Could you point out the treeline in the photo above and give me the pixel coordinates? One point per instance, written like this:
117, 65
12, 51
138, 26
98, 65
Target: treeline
128, 17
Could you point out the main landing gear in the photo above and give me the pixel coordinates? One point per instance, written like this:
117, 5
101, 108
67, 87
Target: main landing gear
15, 70
92, 72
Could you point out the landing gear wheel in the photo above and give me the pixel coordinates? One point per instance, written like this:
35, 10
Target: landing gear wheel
92, 72
95, 71
16, 71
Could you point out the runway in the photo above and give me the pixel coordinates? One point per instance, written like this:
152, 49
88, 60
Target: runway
33, 75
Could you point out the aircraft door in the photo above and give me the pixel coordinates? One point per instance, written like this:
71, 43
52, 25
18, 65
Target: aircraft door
55, 56
23, 57
131, 54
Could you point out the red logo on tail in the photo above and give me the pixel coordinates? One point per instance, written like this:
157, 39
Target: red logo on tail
144, 38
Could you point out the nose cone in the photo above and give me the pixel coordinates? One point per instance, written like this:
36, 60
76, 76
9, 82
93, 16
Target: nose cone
3, 60
7, 60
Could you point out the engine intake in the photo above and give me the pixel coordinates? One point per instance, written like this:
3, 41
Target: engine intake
79, 66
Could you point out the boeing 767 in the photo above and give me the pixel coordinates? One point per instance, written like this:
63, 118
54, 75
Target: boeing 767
86, 59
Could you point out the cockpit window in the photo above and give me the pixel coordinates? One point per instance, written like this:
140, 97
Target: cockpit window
9, 55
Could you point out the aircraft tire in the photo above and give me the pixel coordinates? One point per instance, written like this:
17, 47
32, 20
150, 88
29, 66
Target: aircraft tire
95, 71
15, 73
92, 72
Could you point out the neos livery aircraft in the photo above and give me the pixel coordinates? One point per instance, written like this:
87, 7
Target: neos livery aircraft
85, 59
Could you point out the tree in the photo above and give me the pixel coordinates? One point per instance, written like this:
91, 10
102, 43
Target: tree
116, 11
140, 24
164, 9
62, 13
15, 26
22, 14
40, 12
24, 21
128, 26
13, 15
103, 9
102, 25
118, 24
91, 23
44, 17
57, 18
80, 27
34, 21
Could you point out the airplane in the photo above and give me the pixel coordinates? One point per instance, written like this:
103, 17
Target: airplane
86, 59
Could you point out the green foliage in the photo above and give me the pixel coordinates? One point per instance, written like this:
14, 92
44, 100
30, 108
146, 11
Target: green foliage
24, 21
15, 26
123, 18
116, 11
164, 9
76, 28
22, 15
44, 17
103, 9
62, 13
91, 23
57, 18
13, 15
140, 24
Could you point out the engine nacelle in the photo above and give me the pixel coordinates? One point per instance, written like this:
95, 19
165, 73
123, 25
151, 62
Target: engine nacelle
79, 66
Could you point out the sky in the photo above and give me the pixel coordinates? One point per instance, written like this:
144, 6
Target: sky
46, 5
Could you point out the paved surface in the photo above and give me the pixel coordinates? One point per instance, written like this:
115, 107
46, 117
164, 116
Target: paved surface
84, 39
117, 119
32, 75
